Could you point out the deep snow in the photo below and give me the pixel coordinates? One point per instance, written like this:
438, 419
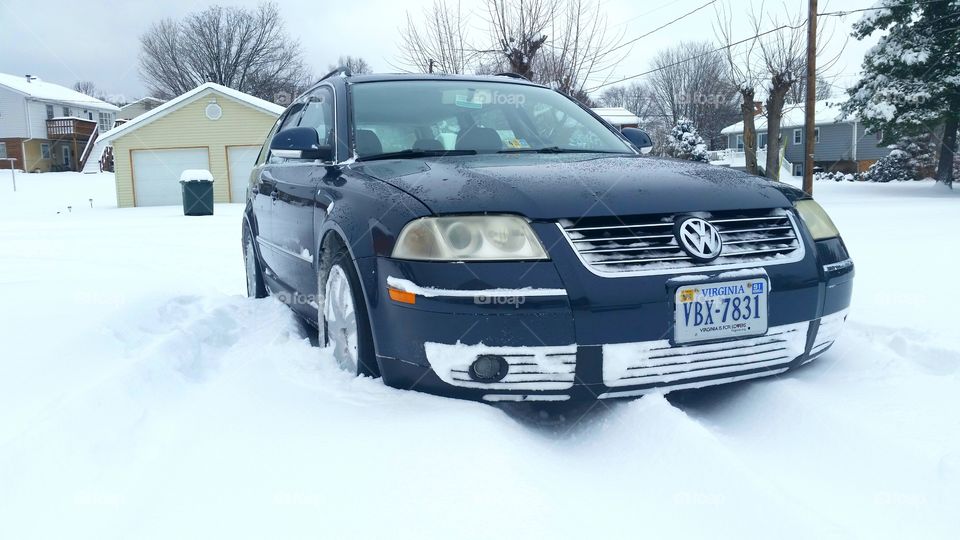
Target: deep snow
143, 396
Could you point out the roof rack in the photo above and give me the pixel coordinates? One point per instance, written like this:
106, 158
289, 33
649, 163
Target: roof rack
339, 70
512, 75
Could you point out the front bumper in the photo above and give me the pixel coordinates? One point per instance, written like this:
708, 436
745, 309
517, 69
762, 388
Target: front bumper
579, 336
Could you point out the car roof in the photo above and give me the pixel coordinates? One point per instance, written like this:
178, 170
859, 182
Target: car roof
380, 77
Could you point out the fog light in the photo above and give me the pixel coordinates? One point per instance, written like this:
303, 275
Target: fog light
488, 368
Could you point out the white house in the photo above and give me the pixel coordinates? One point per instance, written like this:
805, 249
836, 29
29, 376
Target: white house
45, 126
618, 117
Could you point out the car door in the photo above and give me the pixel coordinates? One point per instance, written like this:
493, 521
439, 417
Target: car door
265, 196
297, 182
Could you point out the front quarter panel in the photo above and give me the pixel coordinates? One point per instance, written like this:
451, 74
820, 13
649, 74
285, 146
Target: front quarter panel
367, 213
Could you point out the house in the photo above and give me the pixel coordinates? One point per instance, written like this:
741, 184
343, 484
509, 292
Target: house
211, 127
48, 127
135, 109
842, 144
618, 117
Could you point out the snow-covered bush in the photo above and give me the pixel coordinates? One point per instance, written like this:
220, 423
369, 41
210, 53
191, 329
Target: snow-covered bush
685, 143
836, 176
894, 167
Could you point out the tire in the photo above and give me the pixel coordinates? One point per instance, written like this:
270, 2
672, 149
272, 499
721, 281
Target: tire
343, 322
255, 286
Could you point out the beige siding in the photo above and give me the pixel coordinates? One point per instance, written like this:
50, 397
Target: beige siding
188, 127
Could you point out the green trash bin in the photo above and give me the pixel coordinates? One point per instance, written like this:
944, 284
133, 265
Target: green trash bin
197, 188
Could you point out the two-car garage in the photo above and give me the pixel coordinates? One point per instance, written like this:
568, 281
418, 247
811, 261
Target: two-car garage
155, 172
211, 127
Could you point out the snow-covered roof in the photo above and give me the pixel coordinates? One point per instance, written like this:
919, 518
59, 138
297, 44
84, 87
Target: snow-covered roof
146, 98
827, 112
617, 116
181, 100
36, 88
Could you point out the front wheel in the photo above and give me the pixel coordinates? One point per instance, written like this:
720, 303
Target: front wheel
255, 285
344, 325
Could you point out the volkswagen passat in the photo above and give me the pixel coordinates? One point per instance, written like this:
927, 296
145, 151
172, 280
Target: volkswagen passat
491, 239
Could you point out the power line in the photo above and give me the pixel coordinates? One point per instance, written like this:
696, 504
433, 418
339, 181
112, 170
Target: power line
661, 27
742, 41
690, 59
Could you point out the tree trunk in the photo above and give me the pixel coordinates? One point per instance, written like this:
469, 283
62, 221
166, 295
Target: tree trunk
774, 115
947, 151
749, 131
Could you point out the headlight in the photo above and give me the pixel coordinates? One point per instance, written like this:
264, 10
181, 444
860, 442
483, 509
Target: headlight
468, 238
818, 222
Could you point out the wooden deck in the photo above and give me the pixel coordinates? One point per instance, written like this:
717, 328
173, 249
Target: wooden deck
70, 128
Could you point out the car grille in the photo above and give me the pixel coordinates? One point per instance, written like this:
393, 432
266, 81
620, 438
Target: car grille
658, 363
647, 244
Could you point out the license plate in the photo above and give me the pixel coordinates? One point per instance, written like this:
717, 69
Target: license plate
720, 310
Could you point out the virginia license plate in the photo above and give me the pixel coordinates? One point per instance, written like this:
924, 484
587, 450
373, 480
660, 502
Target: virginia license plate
720, 310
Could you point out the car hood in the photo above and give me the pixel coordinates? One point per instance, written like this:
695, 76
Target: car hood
547, 187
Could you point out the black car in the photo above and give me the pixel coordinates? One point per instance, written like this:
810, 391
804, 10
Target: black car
484, 237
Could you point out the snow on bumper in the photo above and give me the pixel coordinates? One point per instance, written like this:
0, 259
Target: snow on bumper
633, 369
530, 368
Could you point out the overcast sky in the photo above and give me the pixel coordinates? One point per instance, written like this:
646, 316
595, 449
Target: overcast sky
62, 42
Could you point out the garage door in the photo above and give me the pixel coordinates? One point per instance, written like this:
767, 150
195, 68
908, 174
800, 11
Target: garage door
241, 160
156, 173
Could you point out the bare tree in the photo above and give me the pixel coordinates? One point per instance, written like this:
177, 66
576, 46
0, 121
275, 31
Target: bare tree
437, 42
89, 89
798, 92
744, 75
691, 81
579, 46
245, 49
783, 55
518, 29
356, 64
634, 97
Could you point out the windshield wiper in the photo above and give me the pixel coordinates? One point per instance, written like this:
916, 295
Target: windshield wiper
556, 150
413, 154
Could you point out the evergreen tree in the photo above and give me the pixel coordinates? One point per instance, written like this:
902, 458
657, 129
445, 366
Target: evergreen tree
685, 143
911, 78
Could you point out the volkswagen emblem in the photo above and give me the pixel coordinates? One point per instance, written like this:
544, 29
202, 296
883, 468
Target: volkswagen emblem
699, 239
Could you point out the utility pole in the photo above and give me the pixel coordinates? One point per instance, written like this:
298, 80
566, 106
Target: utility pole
430, 67
809, 138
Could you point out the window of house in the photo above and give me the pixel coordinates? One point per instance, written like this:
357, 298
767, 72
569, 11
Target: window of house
49, 112
761, 140
816, 134
44, 151
3, 150
105, 121
740, 145
66, 111
89, 115
798, 169
797, 136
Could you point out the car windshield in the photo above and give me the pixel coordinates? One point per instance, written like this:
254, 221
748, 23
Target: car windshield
417, 118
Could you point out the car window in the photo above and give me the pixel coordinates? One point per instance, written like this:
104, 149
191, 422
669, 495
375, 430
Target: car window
290, 119
318, 114
480, 116
265, 149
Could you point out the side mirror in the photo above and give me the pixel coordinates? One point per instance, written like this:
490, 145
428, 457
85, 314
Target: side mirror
639, 138
300, 143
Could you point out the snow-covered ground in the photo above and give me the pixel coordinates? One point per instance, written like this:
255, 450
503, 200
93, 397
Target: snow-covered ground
142, 396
